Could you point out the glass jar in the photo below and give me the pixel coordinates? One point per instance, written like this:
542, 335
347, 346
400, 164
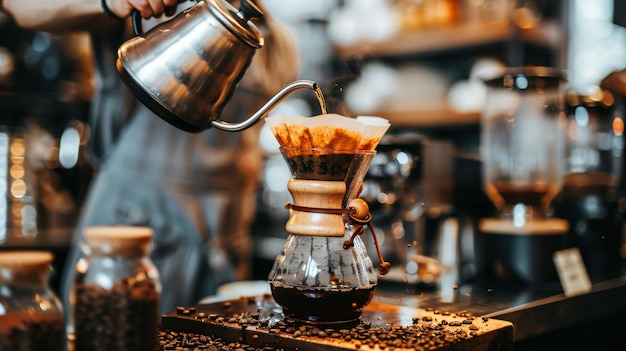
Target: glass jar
116, 291
31, 315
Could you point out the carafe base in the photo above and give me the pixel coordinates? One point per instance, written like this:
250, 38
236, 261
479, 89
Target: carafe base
322, 305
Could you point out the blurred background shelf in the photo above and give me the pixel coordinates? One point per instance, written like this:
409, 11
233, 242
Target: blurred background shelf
427, 73
428, 117
548, 34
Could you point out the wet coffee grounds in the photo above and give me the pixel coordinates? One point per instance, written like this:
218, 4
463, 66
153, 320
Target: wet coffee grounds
126, 317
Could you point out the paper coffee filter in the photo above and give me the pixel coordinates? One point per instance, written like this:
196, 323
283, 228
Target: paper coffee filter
373, 131
279, 128
331, 131
373, 121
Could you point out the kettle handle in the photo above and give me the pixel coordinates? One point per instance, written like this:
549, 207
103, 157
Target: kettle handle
137, 27
247, 10
135, 15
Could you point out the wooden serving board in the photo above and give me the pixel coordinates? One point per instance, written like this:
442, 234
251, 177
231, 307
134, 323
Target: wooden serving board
258, 321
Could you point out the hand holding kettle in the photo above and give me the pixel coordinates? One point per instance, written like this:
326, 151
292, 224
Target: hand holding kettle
185, 69
147, 9
83, 15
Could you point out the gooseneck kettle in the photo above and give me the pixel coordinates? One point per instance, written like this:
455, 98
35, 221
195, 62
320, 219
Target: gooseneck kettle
187, 68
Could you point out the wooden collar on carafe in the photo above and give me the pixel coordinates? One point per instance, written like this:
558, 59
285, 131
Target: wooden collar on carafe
359, 214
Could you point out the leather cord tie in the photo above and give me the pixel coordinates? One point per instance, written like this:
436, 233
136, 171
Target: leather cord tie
359, 217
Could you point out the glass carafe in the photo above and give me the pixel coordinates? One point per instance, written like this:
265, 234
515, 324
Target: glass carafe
523, 141
522, 149
323, 274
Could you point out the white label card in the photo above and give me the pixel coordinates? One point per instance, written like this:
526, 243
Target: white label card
572, 272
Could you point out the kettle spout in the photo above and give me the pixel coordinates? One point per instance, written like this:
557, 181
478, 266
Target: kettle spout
269, 105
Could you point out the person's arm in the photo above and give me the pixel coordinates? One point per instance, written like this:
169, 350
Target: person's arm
67, 15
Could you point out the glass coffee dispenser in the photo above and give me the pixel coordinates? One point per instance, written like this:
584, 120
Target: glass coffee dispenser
522, 150
323, 274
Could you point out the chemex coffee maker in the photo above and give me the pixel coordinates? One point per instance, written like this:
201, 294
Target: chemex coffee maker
323, 275
522, 149
187, 68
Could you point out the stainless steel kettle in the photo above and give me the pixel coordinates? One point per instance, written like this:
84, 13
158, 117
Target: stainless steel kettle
186, 69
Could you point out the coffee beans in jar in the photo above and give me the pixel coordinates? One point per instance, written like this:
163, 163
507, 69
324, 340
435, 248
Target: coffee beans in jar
31, 315
116, 291
26, 331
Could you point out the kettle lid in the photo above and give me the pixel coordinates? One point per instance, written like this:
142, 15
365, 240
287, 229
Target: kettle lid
237, 21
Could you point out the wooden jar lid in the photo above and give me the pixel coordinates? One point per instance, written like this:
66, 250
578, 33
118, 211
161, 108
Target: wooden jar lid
121, 240
25, 259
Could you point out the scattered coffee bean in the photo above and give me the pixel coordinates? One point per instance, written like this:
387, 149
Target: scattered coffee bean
431, 335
